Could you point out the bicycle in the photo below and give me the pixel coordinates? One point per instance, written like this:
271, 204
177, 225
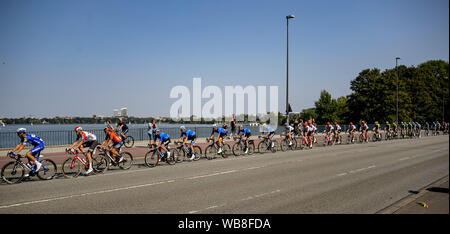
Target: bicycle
285, 144
388, 135
265, 146
154, 156
184, 151
71, 167
307, 142
329, 139
128, 141
212, 149
351, 138
362, 137
239, 146
14, 172
377, 136
124, 163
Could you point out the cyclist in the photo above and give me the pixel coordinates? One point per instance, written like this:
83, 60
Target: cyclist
122, 128
289, 132
313, 127
419, 127
394, 129
364, 131
244, 132
329, 129
164, 141
308, 133
85, 139
337, 132
269, 132
387, 128
221, 133
33, 154
186, 135
111, 137
351, 131
376, 128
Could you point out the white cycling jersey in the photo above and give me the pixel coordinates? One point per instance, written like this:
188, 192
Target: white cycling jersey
87, 137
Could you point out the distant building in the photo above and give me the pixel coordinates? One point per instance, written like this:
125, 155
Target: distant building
116, 113
123, 112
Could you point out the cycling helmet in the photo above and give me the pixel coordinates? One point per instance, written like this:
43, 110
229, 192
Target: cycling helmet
157, 130
240, 126
335, 123
351, 123
21, 130
328, 123
387, 122
78, 128
304, 124
182, 128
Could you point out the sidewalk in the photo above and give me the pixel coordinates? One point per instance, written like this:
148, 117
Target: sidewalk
434, 199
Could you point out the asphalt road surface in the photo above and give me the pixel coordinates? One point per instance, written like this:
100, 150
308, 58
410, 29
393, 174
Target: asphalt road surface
360, 178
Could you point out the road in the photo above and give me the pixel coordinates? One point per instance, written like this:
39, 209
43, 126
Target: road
343, 179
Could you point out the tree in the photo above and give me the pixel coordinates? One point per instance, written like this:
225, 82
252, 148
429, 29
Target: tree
326, 108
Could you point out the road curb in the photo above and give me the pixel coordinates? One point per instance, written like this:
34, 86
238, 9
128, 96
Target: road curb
411, 198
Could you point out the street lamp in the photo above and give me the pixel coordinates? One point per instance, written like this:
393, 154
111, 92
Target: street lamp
287, 66
396, 59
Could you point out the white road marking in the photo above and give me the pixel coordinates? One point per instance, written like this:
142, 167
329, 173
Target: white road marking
244, 199
85, 194
214, 174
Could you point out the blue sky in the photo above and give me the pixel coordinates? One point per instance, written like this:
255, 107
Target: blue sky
78, 58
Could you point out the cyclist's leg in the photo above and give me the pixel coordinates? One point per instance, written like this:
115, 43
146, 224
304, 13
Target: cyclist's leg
33, 156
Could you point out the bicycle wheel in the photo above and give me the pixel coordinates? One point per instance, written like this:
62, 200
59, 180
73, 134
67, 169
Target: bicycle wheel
129, 141
151, 158
284, 145
100, 163
48, 170
210, 152
237, 148
13, 172
179, 155
127, 161
171, 160
275, 146
226, 150
71, 168
251, 147
198, 152
262, 147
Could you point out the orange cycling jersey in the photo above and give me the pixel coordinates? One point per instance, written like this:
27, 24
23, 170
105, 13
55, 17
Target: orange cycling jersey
116, 139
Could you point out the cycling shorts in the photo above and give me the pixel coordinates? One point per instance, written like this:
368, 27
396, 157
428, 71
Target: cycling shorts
36, 150
91, 145
118, 145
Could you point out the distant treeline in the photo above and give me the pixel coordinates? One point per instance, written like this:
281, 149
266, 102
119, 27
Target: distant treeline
422, 93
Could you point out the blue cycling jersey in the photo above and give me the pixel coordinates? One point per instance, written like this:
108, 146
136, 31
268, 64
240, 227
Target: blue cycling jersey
244, 131
188, 133
220, 131
270, 129
32, 139
163, 137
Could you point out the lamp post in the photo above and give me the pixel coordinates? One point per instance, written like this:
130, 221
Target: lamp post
396, 69
287, 66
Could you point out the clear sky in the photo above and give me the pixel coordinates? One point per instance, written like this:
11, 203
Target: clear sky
84, 57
